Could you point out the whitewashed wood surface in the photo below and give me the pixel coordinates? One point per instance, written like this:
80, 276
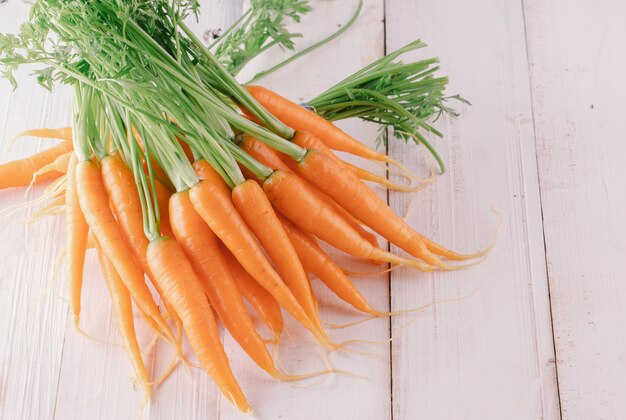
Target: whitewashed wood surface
538, 332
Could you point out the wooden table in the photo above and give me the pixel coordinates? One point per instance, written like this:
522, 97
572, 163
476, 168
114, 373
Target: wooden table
535, 331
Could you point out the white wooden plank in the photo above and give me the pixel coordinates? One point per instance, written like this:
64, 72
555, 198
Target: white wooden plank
339, 396
31, 304
491, 354
578, 74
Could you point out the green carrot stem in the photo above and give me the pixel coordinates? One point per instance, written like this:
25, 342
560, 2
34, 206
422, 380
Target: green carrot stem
239, 93
256, 167
310, 49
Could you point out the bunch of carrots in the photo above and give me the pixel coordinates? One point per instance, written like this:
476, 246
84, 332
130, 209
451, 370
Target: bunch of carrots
210, 191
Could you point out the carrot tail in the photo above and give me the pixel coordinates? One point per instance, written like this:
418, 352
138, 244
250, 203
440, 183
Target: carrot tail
452, 255
59, 165
123, 309
260, 299
366, 175
76, 240
56, 206
317, 262
53, 191
63, 133
183, 290
357, 198
19, 173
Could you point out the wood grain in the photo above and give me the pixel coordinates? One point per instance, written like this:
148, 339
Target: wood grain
489, 355
578, 74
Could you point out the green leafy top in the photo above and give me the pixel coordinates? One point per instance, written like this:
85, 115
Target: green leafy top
261, 27
404, 96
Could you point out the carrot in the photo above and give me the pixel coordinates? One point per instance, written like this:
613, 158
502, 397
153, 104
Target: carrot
77, 231
270, 158
63, 133
218, 211
206, 172
261, 300
317, 262
19, 173
186, 149
446, 253
264, 154
120, 186
349, 218
257, 212
295, 200
211, 267
123, 310
94, 203
301, 119
159, 173
353, 195
56, 206
58, 166
163, 197
176, 277
248, 174
308, 141
91, 243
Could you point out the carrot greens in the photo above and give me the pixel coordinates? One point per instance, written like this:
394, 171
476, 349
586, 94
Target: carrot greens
260, 28
402, 96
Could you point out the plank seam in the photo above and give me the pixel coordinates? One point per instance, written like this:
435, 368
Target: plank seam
543, 229
390, 274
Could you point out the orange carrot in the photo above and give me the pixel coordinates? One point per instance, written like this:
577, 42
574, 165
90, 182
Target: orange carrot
201, 247
317, 262
58, 166
94, 203
206, 172
163, 197
19, 173
301, 119
261, 300
257, 212
120, 186
186, 150
77, 230
264, 154
176, 277
123, 310
270, 158
295, 200
63, 133
91, 242
353, 195
309, 141
218, 211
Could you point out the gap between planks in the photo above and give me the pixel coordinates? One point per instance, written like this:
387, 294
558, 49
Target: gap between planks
541, 204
